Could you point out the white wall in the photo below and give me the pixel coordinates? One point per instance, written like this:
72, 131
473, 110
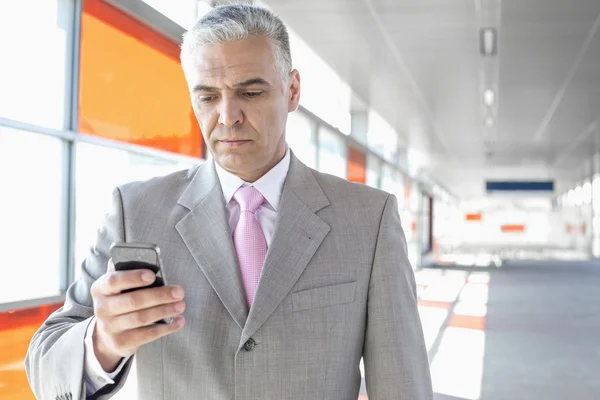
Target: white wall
544, 227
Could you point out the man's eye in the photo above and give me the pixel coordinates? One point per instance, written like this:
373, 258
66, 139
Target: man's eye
252, 95
206, 99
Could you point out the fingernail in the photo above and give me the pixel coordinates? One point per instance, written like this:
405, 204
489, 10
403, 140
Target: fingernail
179, 321
179, 307
147, 276
177, 293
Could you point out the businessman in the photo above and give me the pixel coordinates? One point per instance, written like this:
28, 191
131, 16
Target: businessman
280, 277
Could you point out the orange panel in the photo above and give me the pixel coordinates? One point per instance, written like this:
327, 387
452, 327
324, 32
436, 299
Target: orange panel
435, 304
569, 228
357, 161
467, 321
131, 87
513, 228
473, 217
18, 327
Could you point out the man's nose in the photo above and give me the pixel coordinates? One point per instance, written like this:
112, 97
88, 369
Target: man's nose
230, 113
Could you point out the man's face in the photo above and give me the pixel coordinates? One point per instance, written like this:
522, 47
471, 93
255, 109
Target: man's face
242, 104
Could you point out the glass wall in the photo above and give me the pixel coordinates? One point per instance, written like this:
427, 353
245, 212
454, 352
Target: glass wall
332, 153
357, 161
596, 216
580, 214
410, 216
382, 138
36, 61
300, 136
33, 211
373, 171
182, 12
426, 224
94, 185
323, 92
132, 87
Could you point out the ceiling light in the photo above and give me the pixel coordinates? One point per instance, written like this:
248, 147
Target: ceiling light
489, 121
488, 42
489, 97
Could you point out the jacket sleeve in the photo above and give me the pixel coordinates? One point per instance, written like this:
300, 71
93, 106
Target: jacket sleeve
395, 357
55, 359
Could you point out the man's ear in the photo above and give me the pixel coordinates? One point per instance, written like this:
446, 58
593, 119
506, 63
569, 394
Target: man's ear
294, 91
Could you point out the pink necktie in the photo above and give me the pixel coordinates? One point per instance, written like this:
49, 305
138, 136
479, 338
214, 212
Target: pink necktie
249, 240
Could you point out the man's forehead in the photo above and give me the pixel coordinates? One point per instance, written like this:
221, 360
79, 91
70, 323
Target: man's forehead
217, 74
216, 68
230, 77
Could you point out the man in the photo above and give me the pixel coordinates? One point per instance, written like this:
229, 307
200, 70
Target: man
335, 282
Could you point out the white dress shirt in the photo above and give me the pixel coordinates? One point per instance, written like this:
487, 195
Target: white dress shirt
270, 185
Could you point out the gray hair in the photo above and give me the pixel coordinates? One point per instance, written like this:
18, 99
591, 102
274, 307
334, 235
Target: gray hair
234, 22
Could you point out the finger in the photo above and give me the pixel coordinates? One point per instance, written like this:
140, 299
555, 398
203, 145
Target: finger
146, 317
111, 265
106, 307
144, 298
115, 282
134, 338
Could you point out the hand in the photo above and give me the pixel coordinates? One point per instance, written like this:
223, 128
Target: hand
125, 321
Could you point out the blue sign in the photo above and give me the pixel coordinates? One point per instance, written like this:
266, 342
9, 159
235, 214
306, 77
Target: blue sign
519, 186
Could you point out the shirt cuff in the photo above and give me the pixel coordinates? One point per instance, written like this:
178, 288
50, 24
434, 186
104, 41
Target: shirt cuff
94, 375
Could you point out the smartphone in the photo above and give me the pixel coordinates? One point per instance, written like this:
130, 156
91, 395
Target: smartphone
132, 256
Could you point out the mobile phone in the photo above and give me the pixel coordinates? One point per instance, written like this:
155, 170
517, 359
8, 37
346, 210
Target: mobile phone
132, 256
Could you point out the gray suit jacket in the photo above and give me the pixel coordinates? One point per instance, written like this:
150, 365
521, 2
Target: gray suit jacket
336, 286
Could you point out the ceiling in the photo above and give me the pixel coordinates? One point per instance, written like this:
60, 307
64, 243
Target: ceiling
418, 63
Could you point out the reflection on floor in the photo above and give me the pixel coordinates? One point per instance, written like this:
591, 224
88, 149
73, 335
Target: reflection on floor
16, 330
528, 330
453, 308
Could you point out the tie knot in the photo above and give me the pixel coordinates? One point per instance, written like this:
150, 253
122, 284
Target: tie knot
249, 198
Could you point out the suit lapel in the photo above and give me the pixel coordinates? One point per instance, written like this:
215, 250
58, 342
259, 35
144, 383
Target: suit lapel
206, 233
299, 233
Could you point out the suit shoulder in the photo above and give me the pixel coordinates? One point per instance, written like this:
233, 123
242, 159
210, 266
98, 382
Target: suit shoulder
339, 189
168, 183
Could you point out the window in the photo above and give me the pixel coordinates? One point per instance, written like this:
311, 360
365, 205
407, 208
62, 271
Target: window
35, 48
33, 212
95, 185
132, 87
388, 179
300, 138
373, 171
332, 153
182, 12
382, 138
356, 165
324, 93
595, 195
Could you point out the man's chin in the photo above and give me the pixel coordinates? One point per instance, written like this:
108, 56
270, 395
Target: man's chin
235, 163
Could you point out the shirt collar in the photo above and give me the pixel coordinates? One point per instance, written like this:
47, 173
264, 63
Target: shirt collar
270, 185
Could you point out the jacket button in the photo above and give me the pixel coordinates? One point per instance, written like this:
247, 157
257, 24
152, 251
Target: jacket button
249, 345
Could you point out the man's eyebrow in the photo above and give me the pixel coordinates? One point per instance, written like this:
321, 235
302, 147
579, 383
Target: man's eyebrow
239, 85
205, 88
250, 82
